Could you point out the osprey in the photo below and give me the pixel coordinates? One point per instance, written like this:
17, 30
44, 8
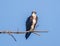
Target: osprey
31, 23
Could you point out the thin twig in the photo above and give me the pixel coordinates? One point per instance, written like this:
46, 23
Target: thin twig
13, 37
36, 33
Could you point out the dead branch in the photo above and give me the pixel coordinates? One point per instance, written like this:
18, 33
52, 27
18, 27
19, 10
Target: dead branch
17, 32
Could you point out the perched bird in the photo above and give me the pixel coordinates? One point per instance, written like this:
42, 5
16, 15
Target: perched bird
31, 23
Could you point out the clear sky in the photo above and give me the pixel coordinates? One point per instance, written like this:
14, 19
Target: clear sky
13, 14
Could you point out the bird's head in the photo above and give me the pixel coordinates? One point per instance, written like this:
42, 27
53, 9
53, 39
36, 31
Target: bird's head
33, 13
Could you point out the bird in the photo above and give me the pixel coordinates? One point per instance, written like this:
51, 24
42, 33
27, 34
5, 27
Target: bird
31, 23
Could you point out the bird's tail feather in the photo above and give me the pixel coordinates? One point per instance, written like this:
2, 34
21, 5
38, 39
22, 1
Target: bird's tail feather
27, 34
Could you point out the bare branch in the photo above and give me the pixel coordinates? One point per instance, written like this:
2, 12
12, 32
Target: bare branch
16, 32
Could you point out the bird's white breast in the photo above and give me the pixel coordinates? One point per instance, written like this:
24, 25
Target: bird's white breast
34, 21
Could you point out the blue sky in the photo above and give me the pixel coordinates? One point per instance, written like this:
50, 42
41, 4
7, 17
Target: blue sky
13, 14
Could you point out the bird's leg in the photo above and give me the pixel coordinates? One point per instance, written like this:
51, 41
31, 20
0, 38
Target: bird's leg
34, 32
